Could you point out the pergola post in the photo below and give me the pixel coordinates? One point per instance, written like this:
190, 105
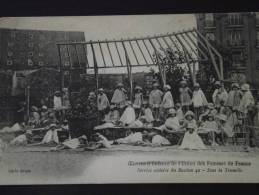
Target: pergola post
129, 71
95, 71
61, 74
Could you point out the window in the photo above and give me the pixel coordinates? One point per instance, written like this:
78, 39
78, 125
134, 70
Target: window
257, 37
41, 63
9, 53
235, 19
238, 59
30, 62
235, 38
209, 20
31, 36
66, 55
30, 44
9, 62
67, 63
10, 44
30, 54
41, 54
210, 36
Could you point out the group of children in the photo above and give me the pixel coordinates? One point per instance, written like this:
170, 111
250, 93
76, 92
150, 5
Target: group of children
192, 116
192, 112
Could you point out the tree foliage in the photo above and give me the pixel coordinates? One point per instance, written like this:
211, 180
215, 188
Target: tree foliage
172, 62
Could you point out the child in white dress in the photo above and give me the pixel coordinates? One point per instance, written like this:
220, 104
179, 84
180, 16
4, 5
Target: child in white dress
191, 139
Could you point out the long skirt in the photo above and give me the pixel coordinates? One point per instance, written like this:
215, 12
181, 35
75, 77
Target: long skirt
192, 141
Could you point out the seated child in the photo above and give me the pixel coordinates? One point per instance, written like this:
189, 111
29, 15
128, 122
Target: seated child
111, 119
128, 115
210, 126
34, 119
51, 137
222, 107
179, 112
191, 139
64, 126
113, 115
225, 129
138, 123
23, 139
209, 108
189, 119
147, 112
171, 123
44, 115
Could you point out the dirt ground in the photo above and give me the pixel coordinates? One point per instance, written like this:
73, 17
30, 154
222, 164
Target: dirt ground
40, 165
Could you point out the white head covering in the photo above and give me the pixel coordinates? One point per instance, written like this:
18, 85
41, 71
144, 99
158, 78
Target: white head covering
167, 87
155, 85
171, 111
222, 117
245, 87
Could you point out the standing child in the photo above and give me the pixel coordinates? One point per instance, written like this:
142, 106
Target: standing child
102, 104
138, 100
66, 101
119, 97
167, 101
199, 100
234, 97
179, 112
185, 96
155, 98
219, 95
57, 102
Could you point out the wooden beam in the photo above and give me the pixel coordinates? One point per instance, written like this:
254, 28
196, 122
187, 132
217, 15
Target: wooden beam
95, 72
141, 52
102, 54
110, 53
148, 51
116, 46
129, 71
133, 52
77, 56
221, 72
85, 52
189, 45
198, 48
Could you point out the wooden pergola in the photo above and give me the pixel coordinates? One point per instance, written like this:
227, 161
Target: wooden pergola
187, 47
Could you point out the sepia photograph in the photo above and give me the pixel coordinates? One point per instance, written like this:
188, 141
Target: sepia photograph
129, 99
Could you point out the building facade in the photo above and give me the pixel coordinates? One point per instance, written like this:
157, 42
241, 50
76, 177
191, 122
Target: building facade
239, 33
32, 49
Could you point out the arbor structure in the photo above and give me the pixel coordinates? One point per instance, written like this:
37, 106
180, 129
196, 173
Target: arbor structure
188, 47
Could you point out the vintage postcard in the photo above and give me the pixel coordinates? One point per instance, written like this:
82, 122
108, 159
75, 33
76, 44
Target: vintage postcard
129, 99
